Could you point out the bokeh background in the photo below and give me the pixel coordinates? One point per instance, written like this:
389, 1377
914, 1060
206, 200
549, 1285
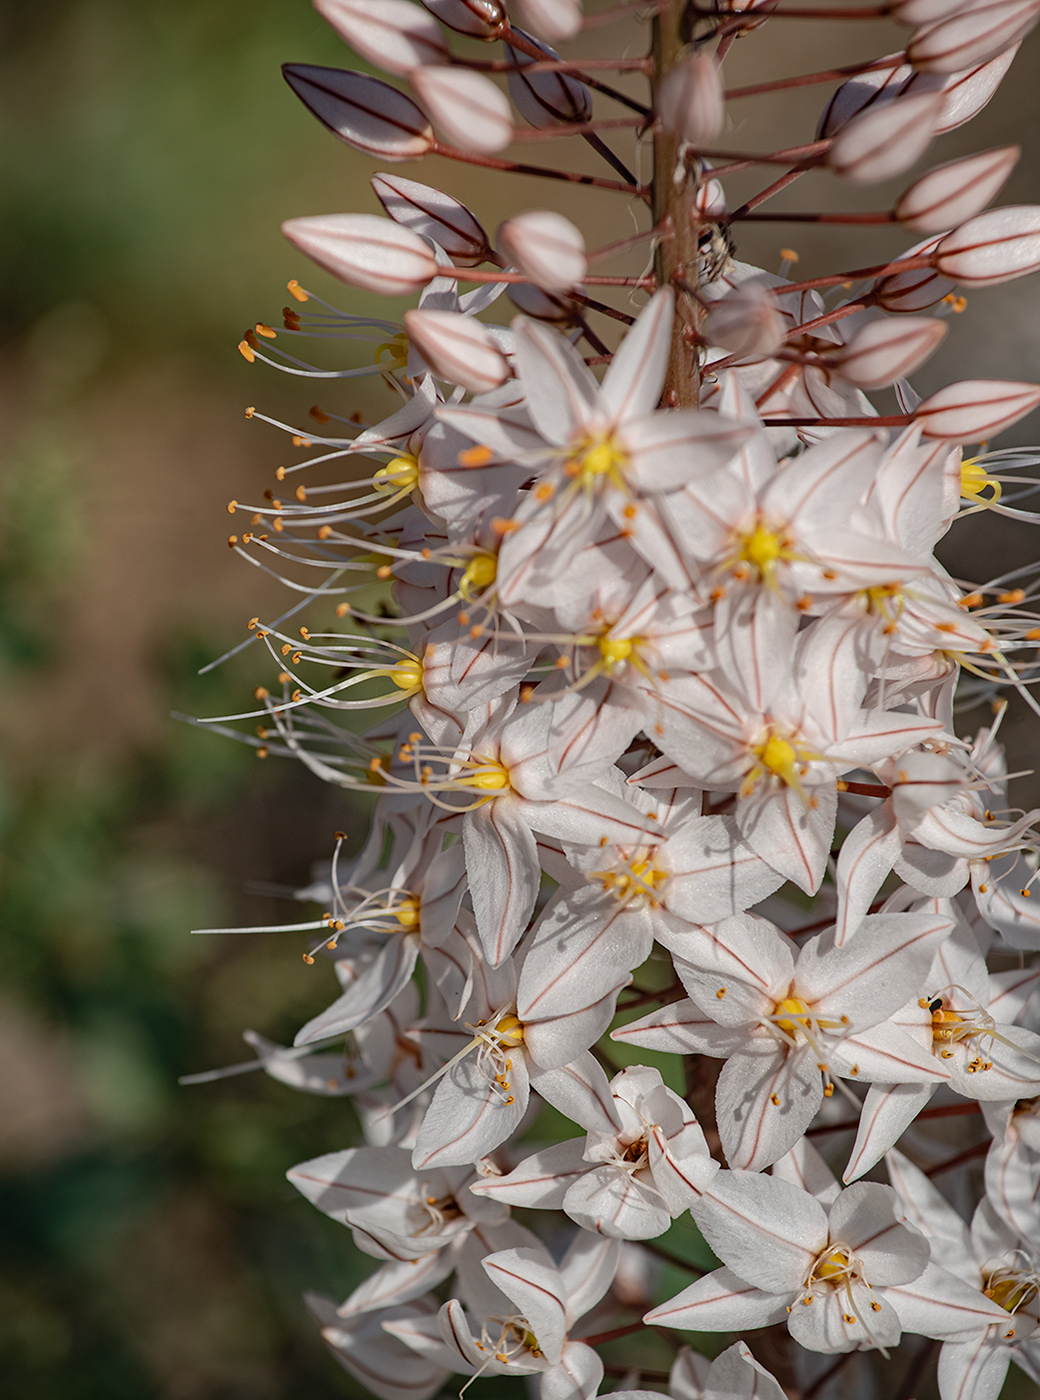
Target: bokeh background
149, 1245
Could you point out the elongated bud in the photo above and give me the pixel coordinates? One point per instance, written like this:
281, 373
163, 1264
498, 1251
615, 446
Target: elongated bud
690, 102
543, 306
953, 192
467, 108
964, 94
363, 111
884, 351
481, 19
392, 34
436, 215
994, 247
365, 251
974, 410
546, 99
746, 320
972, 34
546, 247
556, 19
709, 202
916, 290
457, 348
885, 140
917, 12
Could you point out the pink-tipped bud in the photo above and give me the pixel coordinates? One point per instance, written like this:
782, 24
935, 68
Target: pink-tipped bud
885, 140
975, 410
994, 247
392, 34
691, 101
556, 19
964, 94
546, 247
953, 192
481, 19
884, 351
746, 320
467, 108
365, 250
457, 348
916, 12
972, 34
436, 215
916, 290
546, 99
363, 111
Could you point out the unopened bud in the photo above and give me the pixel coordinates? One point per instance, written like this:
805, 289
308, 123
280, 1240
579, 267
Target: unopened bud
556, 19
457, 348
392, 34
746, 320
884, 351
435, 215
365, 250
916, 290
543, 306
885, 140
964, 94
972, 34
546, 247
466, 107
546, 99
709, 202
974, 410
363, 111
690, 102
482, 19
994, 247
953, 192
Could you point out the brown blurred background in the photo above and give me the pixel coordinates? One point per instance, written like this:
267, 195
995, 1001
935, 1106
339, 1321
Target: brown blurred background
150, 1246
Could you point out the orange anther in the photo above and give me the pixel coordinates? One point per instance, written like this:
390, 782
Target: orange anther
295, 290
478, 456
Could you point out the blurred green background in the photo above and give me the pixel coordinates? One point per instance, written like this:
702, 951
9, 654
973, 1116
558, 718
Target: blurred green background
148, 1243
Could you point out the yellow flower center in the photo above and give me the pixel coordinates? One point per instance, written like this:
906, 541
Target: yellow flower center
779, 756
407, 674
597, 458
510, 1031
762, 547
638, 878
406, 912
397, 349
974, 481
490, 777
481, 572
834, 1266
798, 1016
616, 650
402, 474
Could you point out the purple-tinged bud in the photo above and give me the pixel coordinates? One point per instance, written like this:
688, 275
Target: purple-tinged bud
994, 247
885, 140
916, 290
435, 215
917, 12
965, 94
457, 348
467, 108
392, 34
546, 247
363, 111
746, 320
953, 192
691, 102
481, 19
365, 250
543, 306
974, 410
971, 35
884, 351
546, 99
556, 19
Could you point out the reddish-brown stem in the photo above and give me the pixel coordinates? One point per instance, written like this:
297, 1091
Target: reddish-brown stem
946, 1110
831, 75
577, 66
788, 178
598, 1338
603, 309
863, 789
623, 244
880, 216
793, 12
838, 314
518, 168
663, 1254
968, 1155
827, 1376
554, 133
859, 274
472, 274
742, 160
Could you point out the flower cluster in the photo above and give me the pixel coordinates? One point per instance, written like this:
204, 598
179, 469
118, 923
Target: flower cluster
665, 671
